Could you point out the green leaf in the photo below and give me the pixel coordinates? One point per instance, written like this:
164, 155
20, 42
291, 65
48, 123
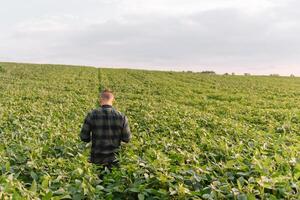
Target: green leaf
16, 196
134, 190
47, 196
141, 196
34, 175
45, 182
251, 197
33, 186
242, 197
7, 166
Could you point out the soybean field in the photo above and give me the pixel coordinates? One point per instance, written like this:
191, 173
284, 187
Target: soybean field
194, 135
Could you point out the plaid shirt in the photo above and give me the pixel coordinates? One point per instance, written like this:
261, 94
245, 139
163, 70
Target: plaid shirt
106, 127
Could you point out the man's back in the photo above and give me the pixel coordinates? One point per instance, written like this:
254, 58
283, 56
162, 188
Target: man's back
106, 127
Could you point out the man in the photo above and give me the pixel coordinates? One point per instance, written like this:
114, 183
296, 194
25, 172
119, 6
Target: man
106, 128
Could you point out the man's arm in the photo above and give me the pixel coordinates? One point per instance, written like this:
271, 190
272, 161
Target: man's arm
126, 134
85, 133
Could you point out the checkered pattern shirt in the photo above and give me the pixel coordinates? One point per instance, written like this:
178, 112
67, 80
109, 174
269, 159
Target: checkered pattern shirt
106, 128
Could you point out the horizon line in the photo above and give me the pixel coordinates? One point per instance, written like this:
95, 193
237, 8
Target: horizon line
148, 69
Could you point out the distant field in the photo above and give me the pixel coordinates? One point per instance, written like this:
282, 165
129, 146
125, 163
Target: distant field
195, 136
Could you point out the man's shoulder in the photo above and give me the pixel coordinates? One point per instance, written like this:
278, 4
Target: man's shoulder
100, 110
118, 113
94, 111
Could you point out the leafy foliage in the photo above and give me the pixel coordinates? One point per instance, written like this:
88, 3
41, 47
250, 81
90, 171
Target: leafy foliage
194, 135
1, 69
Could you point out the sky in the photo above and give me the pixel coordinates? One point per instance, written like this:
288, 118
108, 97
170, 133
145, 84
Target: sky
257, 36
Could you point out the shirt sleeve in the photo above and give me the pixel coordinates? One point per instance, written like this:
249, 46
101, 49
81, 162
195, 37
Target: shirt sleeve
85, 133
126, 134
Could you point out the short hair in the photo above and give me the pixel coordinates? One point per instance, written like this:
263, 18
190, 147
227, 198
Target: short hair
106, 94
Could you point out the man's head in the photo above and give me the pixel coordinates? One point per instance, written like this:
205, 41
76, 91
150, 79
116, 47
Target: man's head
106, 97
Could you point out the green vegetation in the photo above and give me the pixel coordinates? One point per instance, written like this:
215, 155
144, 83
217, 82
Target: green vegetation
195, 135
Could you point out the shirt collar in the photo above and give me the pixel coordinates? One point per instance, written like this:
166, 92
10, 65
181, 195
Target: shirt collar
106, 106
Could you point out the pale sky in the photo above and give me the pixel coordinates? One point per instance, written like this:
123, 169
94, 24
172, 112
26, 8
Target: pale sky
257, 36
